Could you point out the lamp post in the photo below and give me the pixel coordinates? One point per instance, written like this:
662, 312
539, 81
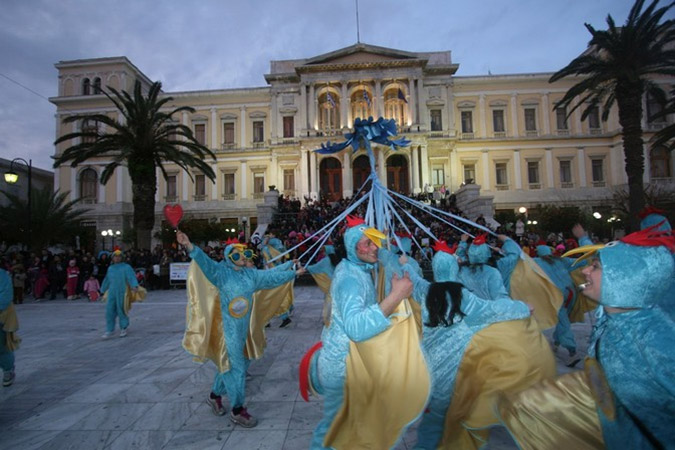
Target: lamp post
116, 235
12, 177
244, 220
104, 233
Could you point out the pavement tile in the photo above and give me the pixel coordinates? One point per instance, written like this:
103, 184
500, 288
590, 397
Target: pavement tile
76, 391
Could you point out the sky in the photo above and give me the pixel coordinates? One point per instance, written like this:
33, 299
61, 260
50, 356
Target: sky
220, 44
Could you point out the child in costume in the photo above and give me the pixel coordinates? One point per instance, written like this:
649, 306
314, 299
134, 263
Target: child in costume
625, 396
72, 279
119, 276
92, 288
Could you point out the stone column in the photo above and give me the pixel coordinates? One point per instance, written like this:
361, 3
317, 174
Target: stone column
449, 107
347, 175
304, 176
274, 119
214, 129
303, 107
547, 114
274, 175
312, 108
455, 170
412, 101
380, 99
514, 115
344, 106
486, 170
516, 169
483, 117
414, 159
313, 174
242, 128
549, 168
185, 178
425, 166
581, 161
244, 180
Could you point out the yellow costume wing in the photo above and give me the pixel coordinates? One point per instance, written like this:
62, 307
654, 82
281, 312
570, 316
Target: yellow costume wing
530, 284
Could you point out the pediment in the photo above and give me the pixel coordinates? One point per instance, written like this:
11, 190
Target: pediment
361, 53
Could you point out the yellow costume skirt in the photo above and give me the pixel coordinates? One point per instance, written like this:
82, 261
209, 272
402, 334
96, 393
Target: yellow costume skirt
559, 413
503, 357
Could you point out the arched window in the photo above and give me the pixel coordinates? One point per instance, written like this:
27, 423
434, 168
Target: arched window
97, 85
395, 106
659, 163
329, 112
362, 104
86, 86
88, 186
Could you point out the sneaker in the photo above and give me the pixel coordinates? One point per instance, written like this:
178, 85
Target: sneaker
216, 404
8, 378
123, 332
107, 334
285, 322
243, 418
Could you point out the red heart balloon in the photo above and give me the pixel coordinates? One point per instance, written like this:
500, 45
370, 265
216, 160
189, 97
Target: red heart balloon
173, 214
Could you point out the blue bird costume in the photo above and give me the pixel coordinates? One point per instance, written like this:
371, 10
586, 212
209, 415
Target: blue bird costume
118, 277
8, 323
478, 277
625, 397
449, 348
357, 321
235, 286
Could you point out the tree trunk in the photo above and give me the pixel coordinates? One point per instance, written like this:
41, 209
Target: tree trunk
144, 209
629, 98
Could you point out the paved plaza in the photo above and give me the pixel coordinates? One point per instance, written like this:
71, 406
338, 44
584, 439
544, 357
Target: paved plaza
75, 390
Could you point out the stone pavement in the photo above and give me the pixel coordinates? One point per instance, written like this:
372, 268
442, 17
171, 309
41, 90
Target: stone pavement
75, 390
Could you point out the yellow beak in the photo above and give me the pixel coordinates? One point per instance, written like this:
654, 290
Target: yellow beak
375, 235
586, 251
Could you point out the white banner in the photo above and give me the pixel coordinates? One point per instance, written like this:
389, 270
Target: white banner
178, 271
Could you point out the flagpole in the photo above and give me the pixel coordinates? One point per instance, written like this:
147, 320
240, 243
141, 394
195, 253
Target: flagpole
358, 32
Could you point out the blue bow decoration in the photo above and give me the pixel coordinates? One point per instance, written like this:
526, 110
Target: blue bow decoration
378, 131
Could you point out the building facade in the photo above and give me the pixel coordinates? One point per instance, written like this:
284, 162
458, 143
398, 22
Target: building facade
498, 131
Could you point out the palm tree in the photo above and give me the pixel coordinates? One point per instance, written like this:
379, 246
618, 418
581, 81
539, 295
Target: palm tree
53, 219
615, 68
146, 139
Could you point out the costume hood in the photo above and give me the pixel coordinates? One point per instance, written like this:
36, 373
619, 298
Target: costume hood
445, 267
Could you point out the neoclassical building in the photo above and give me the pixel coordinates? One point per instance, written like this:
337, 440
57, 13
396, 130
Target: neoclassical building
498, 131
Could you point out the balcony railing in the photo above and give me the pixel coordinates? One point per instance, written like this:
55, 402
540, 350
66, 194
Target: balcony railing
170, 198
502, 187
228, 196
500, 134
228, 146
567, 185
87, 201
598, 184
258, 195
531, 133
199, 198
535, 186
595, 131
467, 135
258, 144
563, 132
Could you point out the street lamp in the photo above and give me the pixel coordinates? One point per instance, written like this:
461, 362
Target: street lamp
12, 177
597, 215
116, 235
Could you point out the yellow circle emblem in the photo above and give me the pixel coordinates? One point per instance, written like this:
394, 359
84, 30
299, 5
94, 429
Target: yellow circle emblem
238, 307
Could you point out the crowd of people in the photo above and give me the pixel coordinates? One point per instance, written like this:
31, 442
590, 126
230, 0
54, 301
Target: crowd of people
75, 274
458, 348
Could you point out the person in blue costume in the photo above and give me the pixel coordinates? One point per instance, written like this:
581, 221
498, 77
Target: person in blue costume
510, 255
651, 216
117, 278
558, 270
272, 241
6, 355
452, 315
356, 316
406, 249
483, 280
625, 397
236, 285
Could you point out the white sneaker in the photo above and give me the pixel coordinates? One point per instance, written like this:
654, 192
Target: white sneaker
107, 334
123, 332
